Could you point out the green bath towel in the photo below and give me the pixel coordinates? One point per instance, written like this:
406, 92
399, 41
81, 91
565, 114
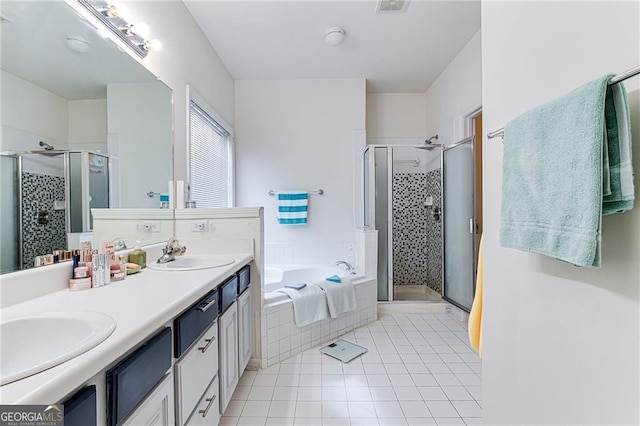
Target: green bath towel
567, 163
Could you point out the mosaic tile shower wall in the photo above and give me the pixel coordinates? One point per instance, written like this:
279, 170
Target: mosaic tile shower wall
409, 229
416, 234
43, 228
434, 233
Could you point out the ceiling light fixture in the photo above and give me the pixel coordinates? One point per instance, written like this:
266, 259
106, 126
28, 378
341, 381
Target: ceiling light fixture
136, 36
77, 44
334, 36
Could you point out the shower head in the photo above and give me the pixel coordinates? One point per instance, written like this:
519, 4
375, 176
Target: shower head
46, 146
429, 145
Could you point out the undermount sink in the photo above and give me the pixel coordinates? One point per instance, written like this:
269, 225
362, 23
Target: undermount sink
192, 263
34, 343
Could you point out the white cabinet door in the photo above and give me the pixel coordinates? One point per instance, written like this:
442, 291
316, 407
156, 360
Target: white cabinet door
194, 372
228, 354
245, 336
157, 407
206, 412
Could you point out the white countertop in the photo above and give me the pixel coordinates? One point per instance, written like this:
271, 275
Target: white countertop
140, 305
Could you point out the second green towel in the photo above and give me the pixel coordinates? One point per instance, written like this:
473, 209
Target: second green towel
565, 164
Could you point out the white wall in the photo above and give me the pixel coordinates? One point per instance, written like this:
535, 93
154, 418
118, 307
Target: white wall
299, 134
186, 58
560, 342
396, 115
88, 124
31, 109
139, 117
455, 94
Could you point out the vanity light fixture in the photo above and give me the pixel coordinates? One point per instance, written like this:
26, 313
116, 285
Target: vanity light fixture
136, 36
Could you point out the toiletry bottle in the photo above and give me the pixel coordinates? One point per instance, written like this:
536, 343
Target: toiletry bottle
95, 274
106, 259
138, 256
123, 266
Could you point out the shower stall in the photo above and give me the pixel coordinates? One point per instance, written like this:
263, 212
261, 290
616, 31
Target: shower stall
420, 199
46, 197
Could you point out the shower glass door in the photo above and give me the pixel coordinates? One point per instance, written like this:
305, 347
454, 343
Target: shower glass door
9, 250
377, 211
459, 223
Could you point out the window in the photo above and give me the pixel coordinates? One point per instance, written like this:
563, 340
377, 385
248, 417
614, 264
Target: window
210, 159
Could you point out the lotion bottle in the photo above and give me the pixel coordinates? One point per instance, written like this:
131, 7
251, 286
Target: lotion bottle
138, 256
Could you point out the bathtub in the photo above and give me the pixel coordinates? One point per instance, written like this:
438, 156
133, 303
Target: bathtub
281, 338
277, 276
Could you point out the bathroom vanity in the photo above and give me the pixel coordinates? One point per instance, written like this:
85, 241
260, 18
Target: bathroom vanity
181, 342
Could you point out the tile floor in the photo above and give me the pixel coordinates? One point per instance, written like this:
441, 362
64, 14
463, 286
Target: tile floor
419, 370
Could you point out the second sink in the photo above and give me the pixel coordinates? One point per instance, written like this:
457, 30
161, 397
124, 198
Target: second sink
192, 263
34, 343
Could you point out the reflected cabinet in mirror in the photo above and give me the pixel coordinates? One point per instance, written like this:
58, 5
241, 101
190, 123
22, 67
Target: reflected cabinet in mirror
84, 126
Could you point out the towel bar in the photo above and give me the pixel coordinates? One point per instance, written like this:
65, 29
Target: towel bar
318, 192
615, 80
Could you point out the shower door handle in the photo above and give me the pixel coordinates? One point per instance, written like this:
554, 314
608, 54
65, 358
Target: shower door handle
471, 227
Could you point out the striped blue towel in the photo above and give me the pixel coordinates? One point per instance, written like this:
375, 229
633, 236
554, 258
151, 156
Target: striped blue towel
293, 207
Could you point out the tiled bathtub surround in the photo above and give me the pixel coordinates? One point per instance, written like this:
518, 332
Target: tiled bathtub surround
419, 370
39, 191
318, 253
281, 338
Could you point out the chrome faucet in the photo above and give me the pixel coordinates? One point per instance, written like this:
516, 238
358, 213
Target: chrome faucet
171, 250
350, 267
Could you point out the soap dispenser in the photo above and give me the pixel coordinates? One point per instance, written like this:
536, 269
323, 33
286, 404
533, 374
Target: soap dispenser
138, 256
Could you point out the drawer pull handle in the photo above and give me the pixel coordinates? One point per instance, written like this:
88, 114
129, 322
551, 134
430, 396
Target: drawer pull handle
206, 410
205, 347
207, 305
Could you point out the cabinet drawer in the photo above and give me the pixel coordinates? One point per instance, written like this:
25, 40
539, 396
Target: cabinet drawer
80, 409
244, 279
190, 325
207, 412
132, 379
228, 293
194, 372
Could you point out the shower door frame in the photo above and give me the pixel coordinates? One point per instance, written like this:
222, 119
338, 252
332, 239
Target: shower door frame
472, 140
372, 211
86, 213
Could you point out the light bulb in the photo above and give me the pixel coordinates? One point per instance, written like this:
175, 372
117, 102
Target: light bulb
120, 11
153, 44
141, 29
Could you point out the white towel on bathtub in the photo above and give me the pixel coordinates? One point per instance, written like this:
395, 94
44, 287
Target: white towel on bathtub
341, 297
309, 304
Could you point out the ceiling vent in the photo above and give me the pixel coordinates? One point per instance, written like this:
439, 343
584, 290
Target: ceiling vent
389, 6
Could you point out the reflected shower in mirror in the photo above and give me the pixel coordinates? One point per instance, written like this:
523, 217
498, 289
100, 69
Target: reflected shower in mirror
84, 125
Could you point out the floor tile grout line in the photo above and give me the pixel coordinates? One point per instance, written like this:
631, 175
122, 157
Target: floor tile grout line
402, 362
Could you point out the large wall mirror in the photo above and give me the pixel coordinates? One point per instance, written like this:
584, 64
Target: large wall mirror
84, 125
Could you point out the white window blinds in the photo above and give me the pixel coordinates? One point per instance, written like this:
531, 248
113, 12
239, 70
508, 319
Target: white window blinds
209, 161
